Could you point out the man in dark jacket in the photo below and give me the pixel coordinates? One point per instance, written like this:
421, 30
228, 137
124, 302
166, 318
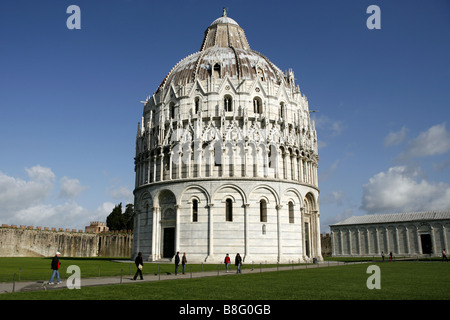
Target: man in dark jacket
238, 263
177, 262
55, 268
139, 265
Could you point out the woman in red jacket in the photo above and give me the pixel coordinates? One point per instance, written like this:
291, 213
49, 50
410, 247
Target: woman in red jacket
227, 261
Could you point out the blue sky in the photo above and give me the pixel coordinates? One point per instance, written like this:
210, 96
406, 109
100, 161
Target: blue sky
70, 99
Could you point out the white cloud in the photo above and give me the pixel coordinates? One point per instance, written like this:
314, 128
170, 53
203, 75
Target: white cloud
70, 188
123, 194
26, 202
38, 173
434, 141
395, 138
400, 190
17, 194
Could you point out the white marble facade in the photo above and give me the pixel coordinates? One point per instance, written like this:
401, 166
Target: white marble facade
403, 234
226, 159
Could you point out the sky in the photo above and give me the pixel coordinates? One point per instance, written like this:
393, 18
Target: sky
70, 98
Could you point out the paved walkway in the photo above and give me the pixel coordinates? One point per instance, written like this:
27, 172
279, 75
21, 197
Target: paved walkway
22, 286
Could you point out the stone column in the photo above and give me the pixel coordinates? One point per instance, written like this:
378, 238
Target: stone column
397, 240
246, 240
433, 240
367, 240
198, 155
294, 167
278, 207
245, 161
302, 232
318, 248
419, 243
149, 169
170, 164
359, 240
154, 169
444, 236
210, 230
408, 249
161, 167
190, 163
349, 241
155, 234
333, 243
301, 169
388, 247
177, 227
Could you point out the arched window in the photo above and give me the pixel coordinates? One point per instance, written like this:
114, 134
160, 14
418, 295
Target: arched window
257, 105
196, 105
172, 110
291, 212
217, 154
216, 71
262, 210
194, 210
228, 103
272, 156
229, 210
309, 204
282, 110
260, 74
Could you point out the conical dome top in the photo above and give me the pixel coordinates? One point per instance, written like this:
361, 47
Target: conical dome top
225, 32
224, 52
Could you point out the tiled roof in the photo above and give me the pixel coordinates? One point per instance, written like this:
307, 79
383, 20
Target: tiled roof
395, 217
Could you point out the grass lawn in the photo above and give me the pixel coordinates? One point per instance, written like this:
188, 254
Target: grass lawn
39, 268
399, 281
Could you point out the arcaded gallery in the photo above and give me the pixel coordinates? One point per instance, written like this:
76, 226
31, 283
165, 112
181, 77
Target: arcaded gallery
403, 234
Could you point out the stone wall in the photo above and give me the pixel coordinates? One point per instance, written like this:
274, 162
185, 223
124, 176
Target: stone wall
30, 242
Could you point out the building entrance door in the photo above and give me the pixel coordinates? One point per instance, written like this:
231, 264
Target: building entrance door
168, 242
425, 239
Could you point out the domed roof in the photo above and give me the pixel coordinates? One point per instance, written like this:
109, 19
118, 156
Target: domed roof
224, 19
224, 52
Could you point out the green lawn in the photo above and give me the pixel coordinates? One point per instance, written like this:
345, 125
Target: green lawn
399, 281
39, 268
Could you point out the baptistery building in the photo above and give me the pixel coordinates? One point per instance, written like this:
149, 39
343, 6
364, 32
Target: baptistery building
226, 159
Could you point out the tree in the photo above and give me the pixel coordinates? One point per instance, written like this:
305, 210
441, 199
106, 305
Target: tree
114, 220
129, 217
117, 220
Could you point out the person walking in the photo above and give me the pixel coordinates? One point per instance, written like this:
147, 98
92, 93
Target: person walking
177, 262
183, 262
227, 261
444, 255
238, 263
139, 265
382, 255
55, 267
